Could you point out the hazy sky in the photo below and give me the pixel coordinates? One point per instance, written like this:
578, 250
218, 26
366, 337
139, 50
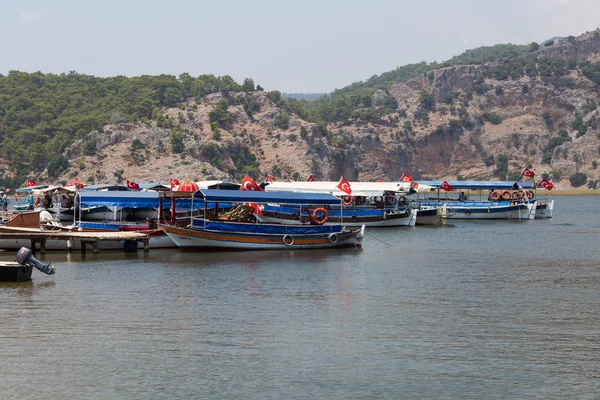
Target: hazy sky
291, 46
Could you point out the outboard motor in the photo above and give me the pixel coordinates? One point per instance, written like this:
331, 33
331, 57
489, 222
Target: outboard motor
25, 257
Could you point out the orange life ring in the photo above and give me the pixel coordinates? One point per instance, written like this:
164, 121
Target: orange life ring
516, 195
506, 195
530, 194
320, 220
346, 200
495, 196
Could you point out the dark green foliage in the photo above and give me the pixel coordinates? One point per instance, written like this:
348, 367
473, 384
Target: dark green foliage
547, 119
591, 71
248, 85
137, 144
594, 164
245, 162
578, 179
303, 132
282, 121
592, 184
89, 148
219, 114
489, 160
501, 167
491, 117
274, 96
41, 114
390, 103
555, 141
485, 54
213, 153
426, 100
533, 46
177, 135
57, 164
499, 90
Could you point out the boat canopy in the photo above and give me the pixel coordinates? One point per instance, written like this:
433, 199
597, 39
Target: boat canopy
153, 186
480, 185
367, 189
242, 196
126, 199
105, 187
30, 188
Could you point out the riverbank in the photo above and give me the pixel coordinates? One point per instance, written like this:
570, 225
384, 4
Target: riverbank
570, 192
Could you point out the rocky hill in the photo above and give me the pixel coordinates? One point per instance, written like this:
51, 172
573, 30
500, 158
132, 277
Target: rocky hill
538, 109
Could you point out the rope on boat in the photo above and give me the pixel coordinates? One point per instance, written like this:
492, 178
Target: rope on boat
379, 240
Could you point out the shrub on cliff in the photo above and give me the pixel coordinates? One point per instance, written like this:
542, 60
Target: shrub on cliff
578, 179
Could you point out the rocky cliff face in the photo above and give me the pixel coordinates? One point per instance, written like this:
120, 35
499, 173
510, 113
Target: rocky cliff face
475, 125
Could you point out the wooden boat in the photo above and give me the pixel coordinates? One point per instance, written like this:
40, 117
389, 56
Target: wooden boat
374, 204
240, 229
483, 200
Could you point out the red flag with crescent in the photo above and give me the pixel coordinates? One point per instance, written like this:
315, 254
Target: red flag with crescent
344, 186
380, 180
546, 184
249, 184
270, 178
173, 182
528, 173
132, 185
30, 183
446, 186
406, 178
75, 180
414, 185
310, 179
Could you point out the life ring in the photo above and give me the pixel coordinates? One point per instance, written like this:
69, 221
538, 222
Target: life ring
346, 200
333, 237
495, 196
288, 240
506, 195
320, 220
516, 196
402, 199
389, 200
530, 194
467, 212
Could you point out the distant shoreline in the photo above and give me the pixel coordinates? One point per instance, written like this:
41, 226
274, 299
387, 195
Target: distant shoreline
571, 192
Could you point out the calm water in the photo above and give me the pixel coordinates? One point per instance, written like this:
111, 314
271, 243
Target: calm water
471, 311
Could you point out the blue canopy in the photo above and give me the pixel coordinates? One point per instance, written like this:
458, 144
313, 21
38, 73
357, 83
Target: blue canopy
30, 188
128, 199
243, 196
479, 185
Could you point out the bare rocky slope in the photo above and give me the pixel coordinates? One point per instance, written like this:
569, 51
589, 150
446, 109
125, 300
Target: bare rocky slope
477, 127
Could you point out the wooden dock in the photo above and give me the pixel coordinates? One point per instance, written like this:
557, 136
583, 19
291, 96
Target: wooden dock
86, 239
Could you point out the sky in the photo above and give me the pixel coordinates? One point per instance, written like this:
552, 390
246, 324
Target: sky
301, 46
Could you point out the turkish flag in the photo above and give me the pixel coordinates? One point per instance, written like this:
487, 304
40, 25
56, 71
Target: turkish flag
527, 172
249, 184
546, 184
75, 180
173, 182
270, 178
30, 183
446, 186
414, 185
380, 180
310, 179
133, 185
406, 178
344, 186
79, 185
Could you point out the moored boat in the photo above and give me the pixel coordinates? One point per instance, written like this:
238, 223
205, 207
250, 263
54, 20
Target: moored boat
240, 229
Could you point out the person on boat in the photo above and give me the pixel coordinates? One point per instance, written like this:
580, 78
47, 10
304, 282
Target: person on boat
4, 202
36, 201
462, 196
64, 202
30, 206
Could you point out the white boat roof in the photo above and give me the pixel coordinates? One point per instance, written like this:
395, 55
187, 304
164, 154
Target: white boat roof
358, 188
